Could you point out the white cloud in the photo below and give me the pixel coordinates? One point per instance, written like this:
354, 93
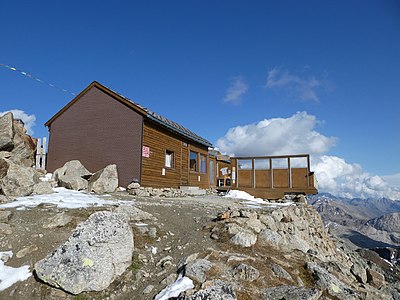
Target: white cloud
306, 89
277, 136
297, 135
29, 120
236, 90
340, 178
393, 179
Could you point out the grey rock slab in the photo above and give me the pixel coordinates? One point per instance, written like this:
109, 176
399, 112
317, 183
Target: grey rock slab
104, 180
59, 220
359, 272
280, 272
245, 272
196, 269
291, 292
244, 239
99, 250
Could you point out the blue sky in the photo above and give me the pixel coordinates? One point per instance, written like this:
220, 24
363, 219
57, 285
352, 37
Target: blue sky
216, 65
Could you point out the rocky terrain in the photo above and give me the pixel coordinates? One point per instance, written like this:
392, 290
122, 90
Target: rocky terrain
90, 240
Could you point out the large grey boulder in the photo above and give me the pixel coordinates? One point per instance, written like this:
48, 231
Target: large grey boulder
6, 132
42, 188
104, 181
245, 272
16, 180
291, 292
72, 176
99, 250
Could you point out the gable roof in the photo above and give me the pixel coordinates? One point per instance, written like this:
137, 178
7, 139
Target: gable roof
147, 113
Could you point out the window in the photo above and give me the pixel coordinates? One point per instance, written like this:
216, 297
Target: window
193, 161
203, 163
169, 159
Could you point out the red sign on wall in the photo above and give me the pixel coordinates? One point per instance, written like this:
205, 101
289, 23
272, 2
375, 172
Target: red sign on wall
145, 151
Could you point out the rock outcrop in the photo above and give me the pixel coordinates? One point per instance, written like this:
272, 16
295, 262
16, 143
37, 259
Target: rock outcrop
99, 250
104, 180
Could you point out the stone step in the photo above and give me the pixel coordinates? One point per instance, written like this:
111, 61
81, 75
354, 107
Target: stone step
192, 190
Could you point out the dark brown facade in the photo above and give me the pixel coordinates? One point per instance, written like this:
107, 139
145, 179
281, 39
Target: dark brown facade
98, 131
100, 127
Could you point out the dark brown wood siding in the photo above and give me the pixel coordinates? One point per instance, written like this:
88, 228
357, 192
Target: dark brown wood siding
98, 130
159, 140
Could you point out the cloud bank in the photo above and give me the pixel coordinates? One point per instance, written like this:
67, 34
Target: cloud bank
236, 90
298, 135
304, 88
29, 120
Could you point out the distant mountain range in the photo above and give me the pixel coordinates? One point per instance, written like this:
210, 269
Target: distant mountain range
366, 223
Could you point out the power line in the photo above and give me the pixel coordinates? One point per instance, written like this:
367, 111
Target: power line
29, 75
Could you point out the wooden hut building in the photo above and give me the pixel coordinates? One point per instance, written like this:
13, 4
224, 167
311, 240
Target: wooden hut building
101, 127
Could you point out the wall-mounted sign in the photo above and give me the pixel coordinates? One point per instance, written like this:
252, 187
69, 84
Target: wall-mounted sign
145, 151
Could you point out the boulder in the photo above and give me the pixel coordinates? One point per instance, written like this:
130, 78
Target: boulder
99, 250
196, 269
16, 180
72, 176
104, 181
291, 292
42, 188
134, 214
6, 132
244, 239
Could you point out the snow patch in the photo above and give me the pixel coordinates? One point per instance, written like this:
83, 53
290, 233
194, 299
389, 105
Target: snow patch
62, 198
173, 290
10, 275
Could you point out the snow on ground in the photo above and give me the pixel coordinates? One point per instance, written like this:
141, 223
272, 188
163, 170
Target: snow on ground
252, 201
46, 177
63, 198
10, 275
173, 290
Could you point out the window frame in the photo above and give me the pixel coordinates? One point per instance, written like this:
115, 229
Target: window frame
172, 161
196, 169
205, 164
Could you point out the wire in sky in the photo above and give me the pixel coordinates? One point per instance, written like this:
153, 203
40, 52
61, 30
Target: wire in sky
26, 74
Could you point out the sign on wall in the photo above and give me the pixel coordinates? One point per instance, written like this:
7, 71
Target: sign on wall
145, 151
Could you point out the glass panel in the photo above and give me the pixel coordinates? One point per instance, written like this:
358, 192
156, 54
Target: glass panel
298, 162
261, 164
203, 163
244, 164
279, 163
193, 161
